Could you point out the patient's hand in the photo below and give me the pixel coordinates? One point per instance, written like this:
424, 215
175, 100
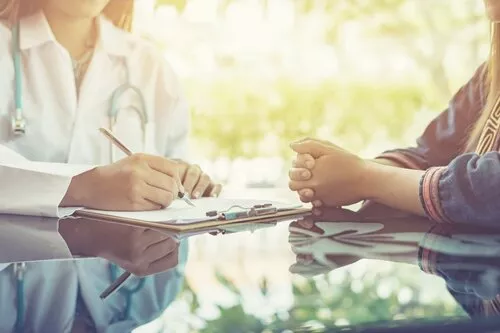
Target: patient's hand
336, 178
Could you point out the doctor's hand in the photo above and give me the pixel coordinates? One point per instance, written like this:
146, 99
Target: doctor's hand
197, 183
140, 251
326, 174
137, 182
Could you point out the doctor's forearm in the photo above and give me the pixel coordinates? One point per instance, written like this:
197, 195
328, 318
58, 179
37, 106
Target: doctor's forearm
395, 187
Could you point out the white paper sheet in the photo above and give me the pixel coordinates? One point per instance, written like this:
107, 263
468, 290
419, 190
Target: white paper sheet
181, 212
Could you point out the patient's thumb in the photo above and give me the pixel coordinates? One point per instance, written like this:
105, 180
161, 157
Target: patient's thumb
312, 147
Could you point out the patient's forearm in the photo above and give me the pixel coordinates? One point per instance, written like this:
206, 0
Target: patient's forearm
395, 187
384, 161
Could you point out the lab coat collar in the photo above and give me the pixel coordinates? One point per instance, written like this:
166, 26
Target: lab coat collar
36, 31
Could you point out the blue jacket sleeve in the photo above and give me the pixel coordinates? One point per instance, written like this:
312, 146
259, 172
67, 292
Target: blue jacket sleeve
465, 191
445, 136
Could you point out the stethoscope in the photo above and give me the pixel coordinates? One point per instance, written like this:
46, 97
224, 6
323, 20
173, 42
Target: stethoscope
18, 121
19, 129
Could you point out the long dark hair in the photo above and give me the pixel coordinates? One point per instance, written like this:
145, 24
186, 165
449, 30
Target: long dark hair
120, 12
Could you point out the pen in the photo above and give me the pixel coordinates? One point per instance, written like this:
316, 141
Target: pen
107, 133
122, 278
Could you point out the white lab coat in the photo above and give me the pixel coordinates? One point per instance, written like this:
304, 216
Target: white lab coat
62, 140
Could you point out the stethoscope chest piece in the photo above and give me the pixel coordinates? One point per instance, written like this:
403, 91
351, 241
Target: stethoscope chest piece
18, 125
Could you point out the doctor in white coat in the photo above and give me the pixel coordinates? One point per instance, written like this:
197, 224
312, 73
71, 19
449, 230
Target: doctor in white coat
69, 67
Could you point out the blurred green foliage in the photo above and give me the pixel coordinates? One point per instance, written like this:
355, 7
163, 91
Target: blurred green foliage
241, 116
235, 124
319, 303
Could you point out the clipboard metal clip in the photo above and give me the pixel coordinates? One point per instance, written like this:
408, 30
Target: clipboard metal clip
243, 212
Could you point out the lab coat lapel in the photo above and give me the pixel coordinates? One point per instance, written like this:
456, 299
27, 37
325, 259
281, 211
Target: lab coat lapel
104, 75
105, 67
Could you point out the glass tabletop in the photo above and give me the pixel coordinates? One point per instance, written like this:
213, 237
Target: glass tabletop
344, 269
375, 271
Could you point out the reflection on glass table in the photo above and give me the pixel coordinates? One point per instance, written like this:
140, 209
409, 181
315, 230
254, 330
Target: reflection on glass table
466, 257
341, 270
48, 285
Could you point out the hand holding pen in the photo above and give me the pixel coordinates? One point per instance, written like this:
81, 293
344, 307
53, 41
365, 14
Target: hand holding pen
162, 177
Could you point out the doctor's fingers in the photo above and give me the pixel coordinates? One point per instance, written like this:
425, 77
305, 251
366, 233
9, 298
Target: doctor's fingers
202, 186
139, 203
161, 180
191, 178
162, 165
304, 161
213, 190
159, 196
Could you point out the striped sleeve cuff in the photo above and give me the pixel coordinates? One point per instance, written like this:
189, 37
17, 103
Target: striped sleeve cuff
428, 250
404, 160
429, 195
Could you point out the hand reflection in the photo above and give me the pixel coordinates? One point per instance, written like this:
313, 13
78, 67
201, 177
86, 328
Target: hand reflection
339, 237
140, 251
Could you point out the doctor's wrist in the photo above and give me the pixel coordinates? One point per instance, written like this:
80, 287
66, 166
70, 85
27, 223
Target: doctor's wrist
78, 193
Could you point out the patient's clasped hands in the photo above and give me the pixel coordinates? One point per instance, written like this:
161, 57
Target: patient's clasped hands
325, 174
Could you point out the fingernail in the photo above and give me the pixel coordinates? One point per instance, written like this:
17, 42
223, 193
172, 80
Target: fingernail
308, 193
317, 203
181, 188
215, 195
305, 174
196, 195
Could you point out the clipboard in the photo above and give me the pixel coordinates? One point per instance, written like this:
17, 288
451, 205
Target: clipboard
210, 224
259, 211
